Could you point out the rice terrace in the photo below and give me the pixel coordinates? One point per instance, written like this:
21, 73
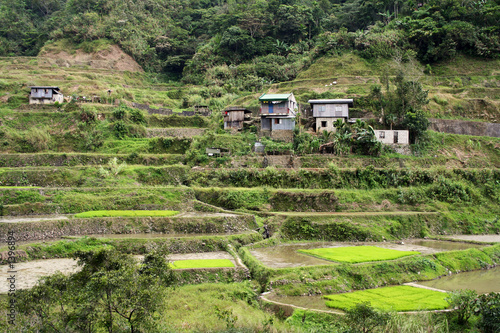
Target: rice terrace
246, 166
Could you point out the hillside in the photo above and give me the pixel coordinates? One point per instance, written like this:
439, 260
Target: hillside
173, 240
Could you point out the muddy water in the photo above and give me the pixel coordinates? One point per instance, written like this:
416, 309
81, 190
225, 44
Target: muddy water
478, 238
484, 281
17, 219
443, 245
286, 255
28, 273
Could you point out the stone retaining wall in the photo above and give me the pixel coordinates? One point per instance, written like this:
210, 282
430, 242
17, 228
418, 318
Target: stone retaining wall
174, 132
169, 112
465, 127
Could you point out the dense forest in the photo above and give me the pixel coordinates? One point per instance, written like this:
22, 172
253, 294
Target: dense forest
254, 41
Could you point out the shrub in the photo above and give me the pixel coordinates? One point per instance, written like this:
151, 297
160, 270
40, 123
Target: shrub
37, 138
488, 306
88, 115
120, 129
119, 113
462, 301
364, 318
137, 116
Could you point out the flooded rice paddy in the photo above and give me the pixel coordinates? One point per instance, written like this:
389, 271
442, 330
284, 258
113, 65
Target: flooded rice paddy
484, 281
28, 273
477, 238
286, 255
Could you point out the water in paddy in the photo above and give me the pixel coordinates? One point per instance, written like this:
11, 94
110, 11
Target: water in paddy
308, 302
287, 256
444, 245
483, 281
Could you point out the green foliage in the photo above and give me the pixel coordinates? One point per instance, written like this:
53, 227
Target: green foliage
363, 318
451, 191
417, 124
463, 303
488, 306
110, 291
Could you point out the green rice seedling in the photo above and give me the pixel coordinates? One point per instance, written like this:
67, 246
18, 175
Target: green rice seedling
357, 254
398, 298
202, 263
126, 213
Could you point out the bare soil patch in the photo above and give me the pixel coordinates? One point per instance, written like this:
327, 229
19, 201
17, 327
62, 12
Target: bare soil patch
110, 58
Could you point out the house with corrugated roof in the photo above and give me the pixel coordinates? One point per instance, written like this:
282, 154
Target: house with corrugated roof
235, 116
327, 111
45, 95
277, 112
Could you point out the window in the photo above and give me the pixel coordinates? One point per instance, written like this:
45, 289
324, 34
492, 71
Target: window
396, 139
382, 135
324, 124
277, 121
338, 111
321, 108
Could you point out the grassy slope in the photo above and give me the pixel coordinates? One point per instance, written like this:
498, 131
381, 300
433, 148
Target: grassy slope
464, 88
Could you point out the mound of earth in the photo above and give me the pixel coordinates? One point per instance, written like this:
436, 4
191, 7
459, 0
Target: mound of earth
111, 58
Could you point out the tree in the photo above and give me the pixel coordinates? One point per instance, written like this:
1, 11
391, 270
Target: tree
110, 292
417, 124
363, 318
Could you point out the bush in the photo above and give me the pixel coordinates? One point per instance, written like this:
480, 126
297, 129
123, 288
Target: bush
364, 318
463, 302
120, 129
488, 306
119, 113
37, 138
137, 116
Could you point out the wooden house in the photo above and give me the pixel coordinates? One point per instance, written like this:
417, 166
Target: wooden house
327, 111
234, 117
277, 112
45, 95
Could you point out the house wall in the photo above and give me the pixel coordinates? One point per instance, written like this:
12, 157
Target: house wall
329, 124
284, 124
265, 124
234, 119
282, 107
55, 98
387, 136
41, 93
330, 110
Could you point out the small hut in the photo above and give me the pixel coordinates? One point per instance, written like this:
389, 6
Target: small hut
45, 95
234, 117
